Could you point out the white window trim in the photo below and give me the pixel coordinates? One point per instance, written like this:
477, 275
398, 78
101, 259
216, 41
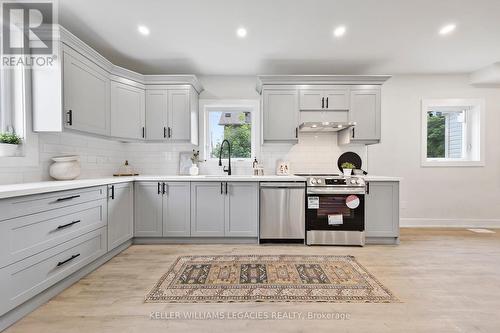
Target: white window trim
251, 105
475, 104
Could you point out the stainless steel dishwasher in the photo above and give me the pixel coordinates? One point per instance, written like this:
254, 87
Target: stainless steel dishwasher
282, 212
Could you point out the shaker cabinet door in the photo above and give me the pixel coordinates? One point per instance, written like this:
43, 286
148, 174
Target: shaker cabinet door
127, 111
177, 209
207, 210
156, 114
120, 214
242, 209
280, 115
179, 115
148, 210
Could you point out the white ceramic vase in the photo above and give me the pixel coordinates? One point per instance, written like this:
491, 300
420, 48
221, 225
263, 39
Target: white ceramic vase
8, 150
194, 170
65, 167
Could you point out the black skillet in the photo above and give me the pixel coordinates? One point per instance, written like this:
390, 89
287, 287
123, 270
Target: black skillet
352, 158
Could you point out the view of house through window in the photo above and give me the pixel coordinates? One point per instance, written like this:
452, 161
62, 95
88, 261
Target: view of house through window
446, 134
234, 126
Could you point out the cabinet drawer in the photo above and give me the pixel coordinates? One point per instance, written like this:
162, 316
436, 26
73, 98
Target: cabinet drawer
31, 204
28, 235
27, 278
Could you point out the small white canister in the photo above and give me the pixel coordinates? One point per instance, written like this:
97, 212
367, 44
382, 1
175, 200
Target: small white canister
65, 167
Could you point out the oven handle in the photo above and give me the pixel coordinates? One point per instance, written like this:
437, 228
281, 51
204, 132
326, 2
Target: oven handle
313, 190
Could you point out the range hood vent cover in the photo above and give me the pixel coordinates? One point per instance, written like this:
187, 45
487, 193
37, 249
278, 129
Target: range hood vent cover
318, 126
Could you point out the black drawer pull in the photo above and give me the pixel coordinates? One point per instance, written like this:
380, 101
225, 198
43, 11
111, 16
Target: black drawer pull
60, 263
68, 198
159, 188
68, 225
70, 118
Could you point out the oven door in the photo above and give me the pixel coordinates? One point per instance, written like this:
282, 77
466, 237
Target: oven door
344, 212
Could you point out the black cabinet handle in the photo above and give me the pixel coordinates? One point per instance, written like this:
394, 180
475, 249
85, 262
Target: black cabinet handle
353, 129
169, 132
112, 192
368, 188
323, 103
143, 132
226, 188
67, 198
159, 188
296, 132
68, 225
327, 102
60, 263
221, 188
70, 117
164, 132
164, 188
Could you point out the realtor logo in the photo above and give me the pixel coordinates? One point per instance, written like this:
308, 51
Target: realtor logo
28, 33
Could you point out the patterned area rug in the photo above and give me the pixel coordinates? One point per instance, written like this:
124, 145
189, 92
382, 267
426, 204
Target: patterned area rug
212, 279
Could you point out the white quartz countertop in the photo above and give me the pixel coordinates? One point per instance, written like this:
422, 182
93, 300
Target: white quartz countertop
370, 178
16, 190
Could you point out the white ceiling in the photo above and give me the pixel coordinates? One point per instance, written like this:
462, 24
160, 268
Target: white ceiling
289, 36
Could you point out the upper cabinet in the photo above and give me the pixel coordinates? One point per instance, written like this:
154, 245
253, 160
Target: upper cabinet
172, 114
86, 94
329, 99
280, 109
127, 111
289, 100
89, 94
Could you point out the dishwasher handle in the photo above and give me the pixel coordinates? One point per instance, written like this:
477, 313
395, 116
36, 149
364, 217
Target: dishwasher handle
282, 185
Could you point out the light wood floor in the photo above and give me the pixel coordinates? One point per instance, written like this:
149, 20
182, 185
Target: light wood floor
448, 281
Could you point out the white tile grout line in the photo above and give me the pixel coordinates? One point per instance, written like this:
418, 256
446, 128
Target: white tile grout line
482, 231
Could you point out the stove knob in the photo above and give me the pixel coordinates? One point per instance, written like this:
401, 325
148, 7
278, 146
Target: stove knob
353, 181
360, 181
319, 180
313, 181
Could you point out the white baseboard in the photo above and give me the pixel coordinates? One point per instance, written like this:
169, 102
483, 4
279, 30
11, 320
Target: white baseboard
449, 223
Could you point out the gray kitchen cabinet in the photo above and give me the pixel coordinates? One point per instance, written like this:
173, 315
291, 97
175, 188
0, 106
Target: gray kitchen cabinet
120, 214
207, 209
127, 111
86, 94
148, 210
242, 209
176, 209
334, 98
365, 112
172, 114
382, 212
280, 115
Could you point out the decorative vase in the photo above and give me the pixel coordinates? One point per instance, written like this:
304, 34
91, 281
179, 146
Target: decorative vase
194, 170
65, 167
347, 172
8, 150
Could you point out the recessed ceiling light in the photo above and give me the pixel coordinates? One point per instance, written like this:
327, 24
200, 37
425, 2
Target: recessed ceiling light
241, 32
143, 30
339, 31
447, 29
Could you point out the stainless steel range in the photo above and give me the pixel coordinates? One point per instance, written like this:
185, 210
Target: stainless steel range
335, 210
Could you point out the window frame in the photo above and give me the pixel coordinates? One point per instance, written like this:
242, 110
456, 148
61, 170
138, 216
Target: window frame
474, 130
244, 105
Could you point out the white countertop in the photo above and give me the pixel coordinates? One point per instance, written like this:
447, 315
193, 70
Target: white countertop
370, 178
16, 190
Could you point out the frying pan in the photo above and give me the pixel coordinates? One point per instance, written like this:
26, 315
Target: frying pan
350, 157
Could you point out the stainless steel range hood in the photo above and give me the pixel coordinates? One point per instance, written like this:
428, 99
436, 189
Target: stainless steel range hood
318, 126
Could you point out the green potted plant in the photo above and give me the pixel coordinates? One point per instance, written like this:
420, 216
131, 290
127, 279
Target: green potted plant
347, 168
9, 142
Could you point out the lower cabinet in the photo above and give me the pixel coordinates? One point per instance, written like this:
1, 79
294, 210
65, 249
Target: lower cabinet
224, 209
120, 214
162, 209
382, 210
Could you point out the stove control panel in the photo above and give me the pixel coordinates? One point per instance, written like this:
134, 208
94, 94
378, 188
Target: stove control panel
335, 181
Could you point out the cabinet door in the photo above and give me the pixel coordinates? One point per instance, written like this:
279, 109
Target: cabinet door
280, 115
382, 209
86, 95
179, 115
148, 210
127, 111
207, 210
120, 214
336, 99
242, 208
311, 99
177, 209
365, 111
156, 114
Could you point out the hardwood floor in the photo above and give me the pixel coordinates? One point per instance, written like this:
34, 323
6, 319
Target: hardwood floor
447, 279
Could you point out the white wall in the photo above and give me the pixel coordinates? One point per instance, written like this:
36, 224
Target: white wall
437, 195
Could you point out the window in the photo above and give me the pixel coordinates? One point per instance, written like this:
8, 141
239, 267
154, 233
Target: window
233, 121
452, 132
